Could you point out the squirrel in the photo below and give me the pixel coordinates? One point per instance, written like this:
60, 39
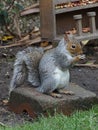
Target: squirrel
47, 71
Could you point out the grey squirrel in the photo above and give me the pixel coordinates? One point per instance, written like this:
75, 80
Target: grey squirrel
47, 71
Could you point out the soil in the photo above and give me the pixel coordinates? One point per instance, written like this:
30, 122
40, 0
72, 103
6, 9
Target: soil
86, 77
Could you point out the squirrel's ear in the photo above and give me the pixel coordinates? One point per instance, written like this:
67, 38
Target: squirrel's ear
81, 43
66, 38
69, 38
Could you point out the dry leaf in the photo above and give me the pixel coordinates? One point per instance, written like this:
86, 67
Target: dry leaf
44, 44
5, 101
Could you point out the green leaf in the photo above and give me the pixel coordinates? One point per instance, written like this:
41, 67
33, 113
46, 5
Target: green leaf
4, 13
1, 6
9, 1
20, 7
3, 17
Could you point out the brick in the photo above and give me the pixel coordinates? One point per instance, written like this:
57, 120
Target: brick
26, 98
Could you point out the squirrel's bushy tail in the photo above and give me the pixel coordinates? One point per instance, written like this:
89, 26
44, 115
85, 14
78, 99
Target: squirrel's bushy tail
26, 67
19, 72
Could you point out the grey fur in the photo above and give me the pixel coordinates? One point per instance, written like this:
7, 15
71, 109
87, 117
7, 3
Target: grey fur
49, 70
58, 58
26, 67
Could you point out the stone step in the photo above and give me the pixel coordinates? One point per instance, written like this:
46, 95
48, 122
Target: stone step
35, 103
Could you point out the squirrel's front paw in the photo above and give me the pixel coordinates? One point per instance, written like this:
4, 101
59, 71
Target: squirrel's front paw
81, 57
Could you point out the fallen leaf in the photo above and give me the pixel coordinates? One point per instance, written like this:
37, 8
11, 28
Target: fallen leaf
44, 44
5, 101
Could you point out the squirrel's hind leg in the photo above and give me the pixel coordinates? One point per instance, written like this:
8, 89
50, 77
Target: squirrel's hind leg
48, 86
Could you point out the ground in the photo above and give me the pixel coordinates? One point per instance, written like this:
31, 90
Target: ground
86, 77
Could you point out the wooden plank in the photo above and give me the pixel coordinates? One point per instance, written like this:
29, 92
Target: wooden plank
30, 11
71, 9
63, 1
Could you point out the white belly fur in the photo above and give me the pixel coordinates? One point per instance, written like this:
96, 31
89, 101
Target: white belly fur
62, 78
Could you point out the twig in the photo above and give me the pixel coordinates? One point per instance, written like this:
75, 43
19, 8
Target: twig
16, 24
13, 45
36, 40
87, 65
31, 9
11, 5
29, 42
30, 34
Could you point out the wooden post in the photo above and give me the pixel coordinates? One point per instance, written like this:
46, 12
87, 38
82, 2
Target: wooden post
92, 24
78, 19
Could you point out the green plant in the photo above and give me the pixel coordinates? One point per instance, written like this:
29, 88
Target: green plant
80, 120
10, 14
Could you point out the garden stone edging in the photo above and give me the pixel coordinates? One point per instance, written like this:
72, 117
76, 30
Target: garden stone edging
35, 103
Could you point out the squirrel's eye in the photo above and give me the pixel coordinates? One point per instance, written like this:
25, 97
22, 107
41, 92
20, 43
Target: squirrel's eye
73, 46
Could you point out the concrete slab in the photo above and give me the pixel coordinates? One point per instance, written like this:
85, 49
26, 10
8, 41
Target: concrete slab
35, 103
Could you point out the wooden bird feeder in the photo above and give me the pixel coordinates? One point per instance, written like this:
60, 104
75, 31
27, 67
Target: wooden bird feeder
60, 16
